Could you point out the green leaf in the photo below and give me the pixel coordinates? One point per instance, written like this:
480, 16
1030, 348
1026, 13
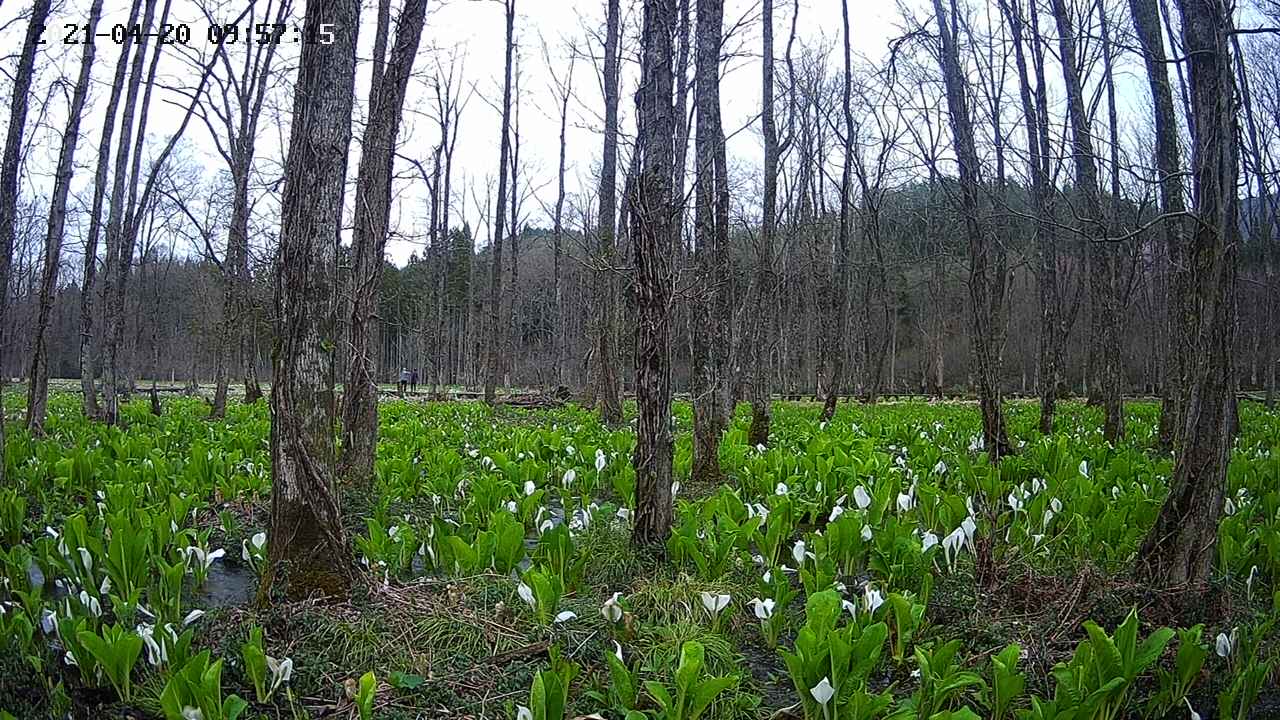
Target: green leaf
1105, 652
706, 693
234, 706
405, 681
692, 655
1151, 649
660, 694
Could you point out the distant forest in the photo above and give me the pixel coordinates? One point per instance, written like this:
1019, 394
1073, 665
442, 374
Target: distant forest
431, 312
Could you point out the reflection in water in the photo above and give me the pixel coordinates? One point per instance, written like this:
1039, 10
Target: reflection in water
227, 586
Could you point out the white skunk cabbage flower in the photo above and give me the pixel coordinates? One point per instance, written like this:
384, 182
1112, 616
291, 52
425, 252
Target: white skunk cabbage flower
611, 610
1225, 645
715, 604
526, 594
823, 692
762, 608
872, 598
861, 498
281, 671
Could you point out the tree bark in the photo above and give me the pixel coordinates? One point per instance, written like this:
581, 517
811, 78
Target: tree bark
763, 324
38, 377
985, 286
120, 220
369, 241
9, 171
559, 326
608, 389
836, 346
1046, 247
1103, 265
239, 113
308, 550
493, 355
652, 233
711, 217
1179, 550
88, 287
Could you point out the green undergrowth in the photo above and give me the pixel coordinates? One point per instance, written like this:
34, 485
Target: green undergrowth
492, 543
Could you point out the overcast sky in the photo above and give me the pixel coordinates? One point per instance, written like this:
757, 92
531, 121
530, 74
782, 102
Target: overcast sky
472, 32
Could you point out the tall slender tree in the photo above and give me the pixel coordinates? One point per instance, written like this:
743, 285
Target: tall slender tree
711, 251
241, 91
38, 377
1045, 242
369, 241
563, 89
764, 323
494, 332
1102, 250
653, 233
88, 287
836, 346
986, 285
1147, 26
121, 227
608, 385
9, 170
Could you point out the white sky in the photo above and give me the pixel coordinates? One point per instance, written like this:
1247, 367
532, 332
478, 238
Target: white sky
472, 30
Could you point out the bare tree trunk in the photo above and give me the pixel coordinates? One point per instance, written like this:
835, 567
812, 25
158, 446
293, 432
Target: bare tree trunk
837, 347
652, 235
239, 112
1271, 297
494, 331
369, 240
1102, 253
559, 326
308, 549
984, 284
449, 109
240, 289
1179, 549
89, 288
763, 325
1046, 247
38, 378
711, 311
513, 317
608, 388
9, 176
120, 220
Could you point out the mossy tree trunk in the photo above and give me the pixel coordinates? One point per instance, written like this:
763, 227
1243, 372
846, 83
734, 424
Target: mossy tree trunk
1178, 551
711, 250
308, 551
